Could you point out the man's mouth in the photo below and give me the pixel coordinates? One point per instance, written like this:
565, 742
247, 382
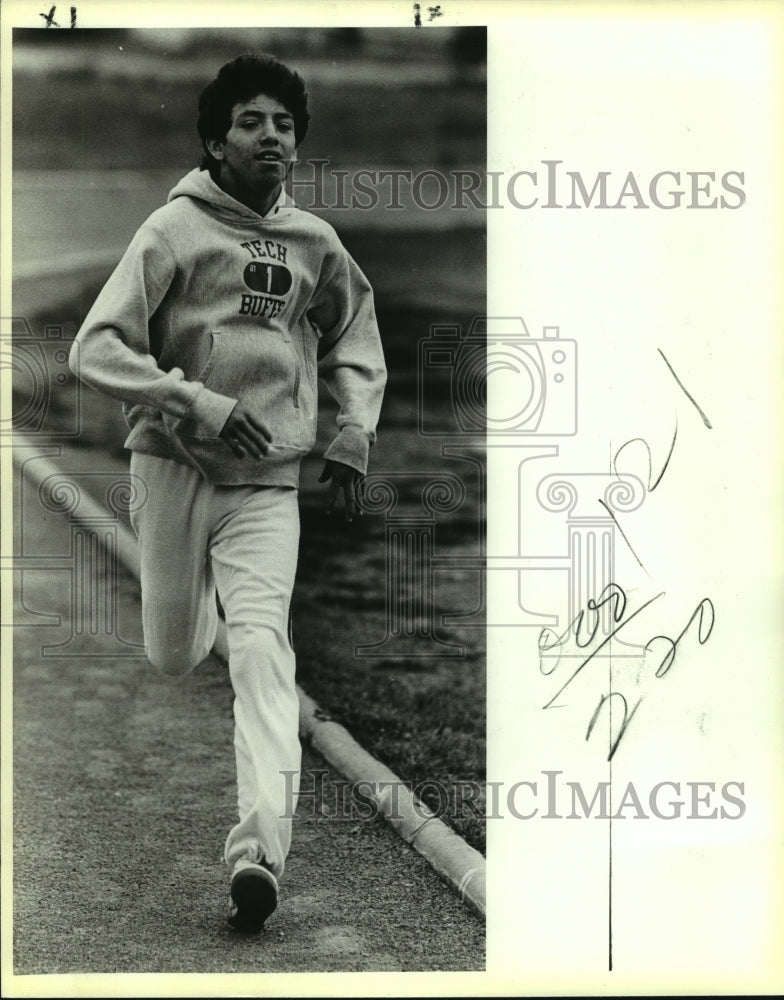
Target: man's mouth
270, 156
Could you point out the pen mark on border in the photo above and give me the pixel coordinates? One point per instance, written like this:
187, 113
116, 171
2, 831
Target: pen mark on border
434, 12
50, 21
49, 18
686, 391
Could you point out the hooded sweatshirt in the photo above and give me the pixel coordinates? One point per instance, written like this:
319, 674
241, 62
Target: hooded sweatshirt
211, 304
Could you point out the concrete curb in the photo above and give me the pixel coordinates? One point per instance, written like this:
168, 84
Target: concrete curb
458, 864
462, 867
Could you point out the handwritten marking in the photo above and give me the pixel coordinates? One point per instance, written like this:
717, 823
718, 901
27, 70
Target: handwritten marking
50, 21
704, 614
623, 535
606, 699
651, 486
433, 13
610, 887
609, 841
604, 641
686, 391
705, 604
613, 592
49, 18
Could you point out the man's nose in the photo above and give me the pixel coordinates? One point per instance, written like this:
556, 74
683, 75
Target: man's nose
268, 130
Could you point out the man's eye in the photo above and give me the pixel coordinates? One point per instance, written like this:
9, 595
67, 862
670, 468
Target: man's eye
248, 124
285, 126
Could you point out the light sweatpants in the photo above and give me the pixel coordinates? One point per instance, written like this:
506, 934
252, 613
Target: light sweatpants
193, 535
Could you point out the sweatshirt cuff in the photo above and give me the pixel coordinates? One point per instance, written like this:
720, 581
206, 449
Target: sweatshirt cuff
209, 411
351, 447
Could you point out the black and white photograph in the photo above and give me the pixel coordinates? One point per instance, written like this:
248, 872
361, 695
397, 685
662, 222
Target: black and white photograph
231, 373
391, 519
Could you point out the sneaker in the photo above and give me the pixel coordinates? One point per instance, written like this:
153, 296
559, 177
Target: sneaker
254, 895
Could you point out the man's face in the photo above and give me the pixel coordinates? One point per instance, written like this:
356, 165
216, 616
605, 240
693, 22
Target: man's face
258, 149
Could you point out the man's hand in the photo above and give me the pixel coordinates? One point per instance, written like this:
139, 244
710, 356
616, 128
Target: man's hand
344, 478
245, 434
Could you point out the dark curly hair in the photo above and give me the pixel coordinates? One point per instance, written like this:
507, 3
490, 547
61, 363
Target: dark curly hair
240, 80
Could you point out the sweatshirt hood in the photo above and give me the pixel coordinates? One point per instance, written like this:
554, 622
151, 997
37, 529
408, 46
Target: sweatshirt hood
198, 185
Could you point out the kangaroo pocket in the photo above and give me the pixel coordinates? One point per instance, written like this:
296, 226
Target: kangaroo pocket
260, 368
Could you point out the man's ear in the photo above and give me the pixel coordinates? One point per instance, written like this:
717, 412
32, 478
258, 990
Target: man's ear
215, 148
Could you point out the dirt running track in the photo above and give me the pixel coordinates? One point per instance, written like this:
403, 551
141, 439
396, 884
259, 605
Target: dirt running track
123, 793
